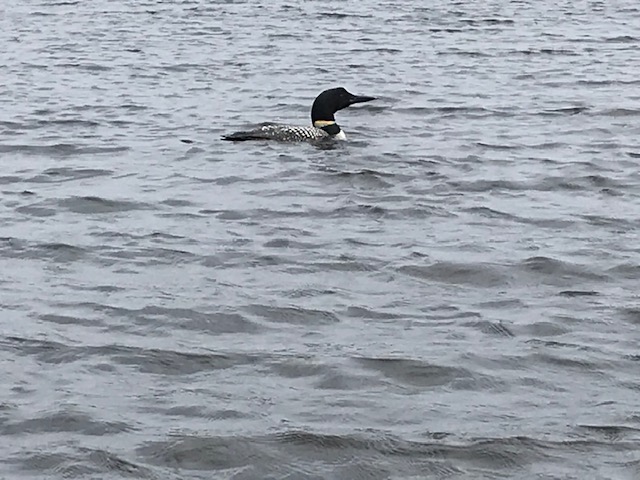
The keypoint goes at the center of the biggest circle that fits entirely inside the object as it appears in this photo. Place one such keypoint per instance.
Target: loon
(322, 118)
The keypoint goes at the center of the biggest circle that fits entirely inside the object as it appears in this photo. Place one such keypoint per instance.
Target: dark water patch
(564, 362)
(214, 323)
(91, 67)
(492, 328)
(297, 367)
(620, 112)
(99, 205)
(363, 312)
(616, 223)
(466, 53)
(293, 315)
(80, 463)
(12, 125)
(133, 107)
(495, 146)
(45, 351)
(175, 202)
(191, 319)
(452, 111)
(37, 210)
(56, 252)
(546, 329)
(59, 149)
(423, 374)
(9, 179)
(166, 237)
(446, 313)
(487, 21)
(631, 314)
(98, 288)
(154, 237)
(9, 244)
(146, 256)
(64, 421)
(544, 51)
(258, 213)
(445, 30)
(360, 209)
(310, 292)
(585, 182)
(554, 268)
(478, 275)
(153, 361)
(69, 320)
(560, 51)
(491, 213)
(176, 364)
(337, 380)
(366, 178)
(564, 111)
(228, 214)
(68, 122)
(63, 174)
(61, 252)
(180, 67)
(208, 453)
(53, 464)
(499, 453)
(487, 185)
(288, 243)
(60, 4)
(200, 412)
(336, 15)
(347, 265)
(578, 293)
(114, 464)
(610, 433)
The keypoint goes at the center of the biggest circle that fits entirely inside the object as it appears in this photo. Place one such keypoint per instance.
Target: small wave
(620, 112)
(91, 204)
(59, 149)
(57, 251)
(565, 111)
(557, 269)
(578, 293)
(492, 328)
(495, 146)
(294, 315)
(92, 67)
(622, 39)
(479, 275)
(81, 462)
(65, 421)
(63, 174)
(424, 374)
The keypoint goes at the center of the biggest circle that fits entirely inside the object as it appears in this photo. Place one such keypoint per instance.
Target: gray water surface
(452, 293)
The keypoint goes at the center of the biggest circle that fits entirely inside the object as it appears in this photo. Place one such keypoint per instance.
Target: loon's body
(323, 121)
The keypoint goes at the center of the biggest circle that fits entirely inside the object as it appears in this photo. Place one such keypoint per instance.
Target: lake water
(451, 294)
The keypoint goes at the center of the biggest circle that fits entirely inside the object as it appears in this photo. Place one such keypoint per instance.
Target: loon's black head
(330, 101)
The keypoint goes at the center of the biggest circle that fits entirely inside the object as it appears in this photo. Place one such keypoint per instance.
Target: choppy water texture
(451, 294)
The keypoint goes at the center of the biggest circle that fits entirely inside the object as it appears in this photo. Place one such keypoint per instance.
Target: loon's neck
(331, 127)
(324, 123)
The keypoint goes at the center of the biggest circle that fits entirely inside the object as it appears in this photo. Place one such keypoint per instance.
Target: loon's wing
(283, 133)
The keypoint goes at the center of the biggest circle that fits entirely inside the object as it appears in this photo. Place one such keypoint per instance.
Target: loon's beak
(360, 99)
